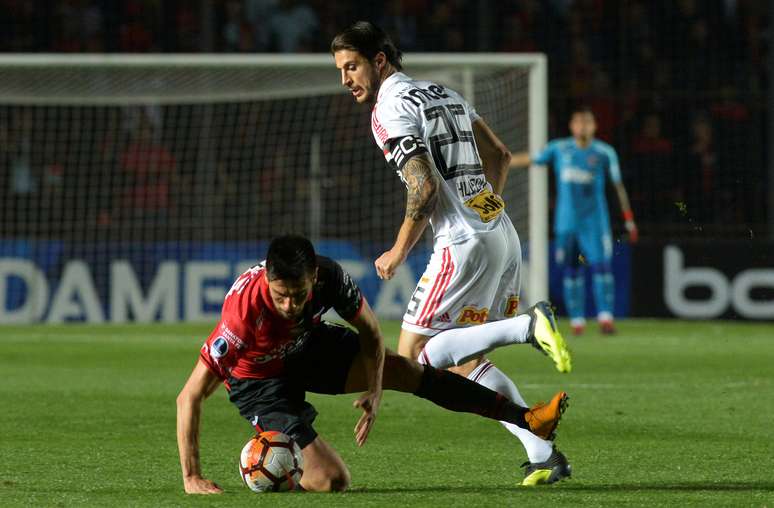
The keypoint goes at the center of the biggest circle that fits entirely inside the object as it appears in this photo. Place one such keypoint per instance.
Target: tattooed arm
(422, 183)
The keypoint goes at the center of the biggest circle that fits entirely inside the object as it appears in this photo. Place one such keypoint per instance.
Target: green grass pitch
(666, 413)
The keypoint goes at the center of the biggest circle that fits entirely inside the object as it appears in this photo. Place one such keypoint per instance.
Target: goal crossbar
(16, 88)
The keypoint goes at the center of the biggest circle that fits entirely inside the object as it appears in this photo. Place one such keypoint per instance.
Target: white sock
(605, 316)
(460, 345)
(486, 374)
(578, 322)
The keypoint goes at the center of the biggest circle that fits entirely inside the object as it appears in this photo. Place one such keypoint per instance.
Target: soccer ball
(271, 462)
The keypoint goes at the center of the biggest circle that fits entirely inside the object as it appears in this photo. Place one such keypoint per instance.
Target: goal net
(135, 187)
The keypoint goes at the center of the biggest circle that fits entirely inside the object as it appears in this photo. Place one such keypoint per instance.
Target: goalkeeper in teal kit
(582, 165)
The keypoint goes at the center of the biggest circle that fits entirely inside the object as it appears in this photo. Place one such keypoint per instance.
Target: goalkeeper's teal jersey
(580, 176)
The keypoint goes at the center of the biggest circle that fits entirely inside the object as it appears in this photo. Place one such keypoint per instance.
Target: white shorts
(468, 283)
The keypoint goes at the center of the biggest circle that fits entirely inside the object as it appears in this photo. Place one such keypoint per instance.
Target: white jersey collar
(392, 80)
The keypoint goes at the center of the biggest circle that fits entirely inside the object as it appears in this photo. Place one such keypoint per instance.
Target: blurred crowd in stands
(679, 87)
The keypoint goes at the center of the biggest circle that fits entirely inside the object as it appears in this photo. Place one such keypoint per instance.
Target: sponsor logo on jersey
(574, 174)
(286, 348)
(379, 130)
(486, 204)
(472, 314)
(511, 306)
(231, 337)
(445, 318)
(592, 160)
(219, 348)
(264, 358)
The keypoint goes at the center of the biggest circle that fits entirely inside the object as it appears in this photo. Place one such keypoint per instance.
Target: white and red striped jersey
(412, 117)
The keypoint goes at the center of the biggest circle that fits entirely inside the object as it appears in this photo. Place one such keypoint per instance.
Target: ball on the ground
(271, 462)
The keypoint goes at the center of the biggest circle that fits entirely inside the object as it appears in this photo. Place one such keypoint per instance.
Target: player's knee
(335, 480)
(409, 350)
(400, 373)
(465, 369)
(400, 364)
(340, 481)
(410, 344)
(330, 479)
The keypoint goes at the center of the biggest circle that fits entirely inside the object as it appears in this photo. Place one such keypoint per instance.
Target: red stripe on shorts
(436, 284)
(432, 300)
(449, 274)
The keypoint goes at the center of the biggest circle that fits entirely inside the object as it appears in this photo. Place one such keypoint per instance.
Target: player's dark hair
(368, 40)
(581, 109)
(290, 257)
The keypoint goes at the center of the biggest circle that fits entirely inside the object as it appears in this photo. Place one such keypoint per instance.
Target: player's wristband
(628, 215)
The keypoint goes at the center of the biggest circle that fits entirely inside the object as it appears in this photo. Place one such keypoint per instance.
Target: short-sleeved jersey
(580, 176)
(411, 117)
(251, 340)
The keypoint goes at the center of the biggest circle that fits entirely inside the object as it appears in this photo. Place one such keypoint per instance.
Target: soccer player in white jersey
(454, 168)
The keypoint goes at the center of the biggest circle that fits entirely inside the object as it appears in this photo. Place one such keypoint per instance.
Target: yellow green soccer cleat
(544, 336)
(550, 471)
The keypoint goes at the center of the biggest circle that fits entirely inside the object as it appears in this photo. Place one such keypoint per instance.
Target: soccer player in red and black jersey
(271, 347)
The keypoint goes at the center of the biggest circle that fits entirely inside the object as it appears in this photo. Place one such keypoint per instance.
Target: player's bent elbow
(183, 402)
(187, 399)
(503, 160)
(505, 156)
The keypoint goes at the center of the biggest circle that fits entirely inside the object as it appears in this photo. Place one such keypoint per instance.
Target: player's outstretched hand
(388, 262)
(634, 233)
(369, 403)
(199, 485)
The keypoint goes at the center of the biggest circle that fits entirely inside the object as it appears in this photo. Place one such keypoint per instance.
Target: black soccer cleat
(551, 471)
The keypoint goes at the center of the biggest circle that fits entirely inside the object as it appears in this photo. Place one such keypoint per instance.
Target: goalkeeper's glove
(630, 226)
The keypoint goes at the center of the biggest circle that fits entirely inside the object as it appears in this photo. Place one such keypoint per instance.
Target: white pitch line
(613, 386)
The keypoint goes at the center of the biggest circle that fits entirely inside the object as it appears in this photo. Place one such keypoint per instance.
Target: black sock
(456, 393)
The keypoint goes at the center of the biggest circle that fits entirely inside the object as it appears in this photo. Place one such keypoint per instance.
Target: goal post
(137, 185)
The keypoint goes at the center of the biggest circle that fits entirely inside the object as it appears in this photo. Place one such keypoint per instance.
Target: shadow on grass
(601, 488)
(564, 487)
